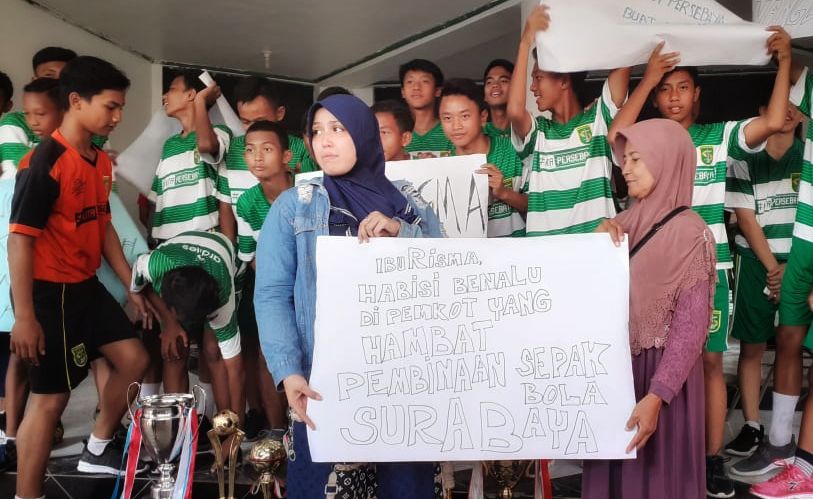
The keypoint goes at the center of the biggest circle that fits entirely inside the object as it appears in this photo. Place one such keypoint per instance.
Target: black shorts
(246, 319)
(77, 319)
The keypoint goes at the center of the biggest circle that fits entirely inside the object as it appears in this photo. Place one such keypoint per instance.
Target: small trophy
(224, 425)
(266, 457)
(507, 474)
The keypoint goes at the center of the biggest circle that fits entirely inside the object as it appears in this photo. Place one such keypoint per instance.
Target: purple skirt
(672, 464)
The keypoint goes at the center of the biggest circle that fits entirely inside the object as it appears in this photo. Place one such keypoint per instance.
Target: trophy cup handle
(199, 401)
(130, 401)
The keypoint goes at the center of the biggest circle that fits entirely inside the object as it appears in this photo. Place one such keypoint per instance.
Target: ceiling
(354, 43)
(349, 42)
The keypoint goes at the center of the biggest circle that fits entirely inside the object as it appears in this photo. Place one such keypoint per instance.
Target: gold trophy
(225, 424)
(266, 457)
(507, 474)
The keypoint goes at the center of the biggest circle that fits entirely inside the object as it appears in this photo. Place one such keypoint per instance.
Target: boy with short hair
(567, 157)
(6, 93)
(420, 87)
(675, 93)
(49, 61)
(192, 278)
(462, 115)
(395, 124)
(183, 188)
(267, 156)
(16, 138)
(763, 193)
(257, 100)
(496, 84)
(60, 228)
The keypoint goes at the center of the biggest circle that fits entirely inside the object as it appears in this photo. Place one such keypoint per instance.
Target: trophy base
(158, 492)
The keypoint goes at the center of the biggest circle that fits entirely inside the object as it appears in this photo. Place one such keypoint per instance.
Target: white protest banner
(795, 15)
(607, 34)
(222, 112)
(454, 350)
(132, 244)
(6, 313)
(458, 196)
(138, 162)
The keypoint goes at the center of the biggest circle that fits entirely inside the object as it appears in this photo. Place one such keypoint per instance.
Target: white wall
(24, 29)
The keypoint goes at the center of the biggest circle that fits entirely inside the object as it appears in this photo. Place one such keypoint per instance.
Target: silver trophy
(163, 418)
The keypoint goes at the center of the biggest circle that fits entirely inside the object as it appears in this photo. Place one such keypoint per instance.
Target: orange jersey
(61, 199)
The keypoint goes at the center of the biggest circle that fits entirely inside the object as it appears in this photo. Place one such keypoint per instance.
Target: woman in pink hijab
(672, 279)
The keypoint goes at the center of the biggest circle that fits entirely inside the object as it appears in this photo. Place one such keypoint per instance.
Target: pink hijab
(682, 253)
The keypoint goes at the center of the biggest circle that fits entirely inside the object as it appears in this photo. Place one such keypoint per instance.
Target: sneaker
(110, 462)
(788, 484)
(718, 484)
(767, 458)
(746, 442)
(255, 423)
(8, 456)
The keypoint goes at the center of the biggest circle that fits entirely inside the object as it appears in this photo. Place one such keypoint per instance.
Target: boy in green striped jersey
(20, 132)
(267, 156)
(795, 304)
(462, 115)
(6, 93)
(496, 82)
(16, 137)
(183, 188)
(762, 192)
(192, 278)
(257, 100)
(567, 157)
(395, 125)
(420, 87)
(675, 94)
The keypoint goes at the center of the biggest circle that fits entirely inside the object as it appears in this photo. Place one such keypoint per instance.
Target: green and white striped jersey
(720, 147)
(569, 171)
(234, 177)
(433, 144)
(800, 95)
(184, 186)
(16, 139)
(252, 208)
(503, 220)
(214, 253)
(769, 187)
(493, 131)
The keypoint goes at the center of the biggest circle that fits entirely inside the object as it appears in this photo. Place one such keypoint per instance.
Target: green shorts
(717, 341)
(754, 313)
(796, 285)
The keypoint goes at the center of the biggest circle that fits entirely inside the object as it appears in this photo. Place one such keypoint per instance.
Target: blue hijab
(364, 188)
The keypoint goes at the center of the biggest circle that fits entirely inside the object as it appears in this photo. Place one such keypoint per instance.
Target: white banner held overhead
(607, 34)
(458, 196)
(471, 349)
(795, 15)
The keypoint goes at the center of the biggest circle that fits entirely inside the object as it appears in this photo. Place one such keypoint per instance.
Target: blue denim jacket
(285, 290)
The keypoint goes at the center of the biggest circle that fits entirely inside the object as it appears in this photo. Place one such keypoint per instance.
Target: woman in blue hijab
(353, 199)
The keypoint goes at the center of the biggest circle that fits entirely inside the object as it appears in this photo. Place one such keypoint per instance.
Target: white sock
(148, 389)
(209, 410)
(784, 406)
(96, 445)
(18, 497)
(753, 424)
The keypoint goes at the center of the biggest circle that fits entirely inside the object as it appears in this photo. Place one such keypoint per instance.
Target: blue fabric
(364, 188)
(285, 286)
